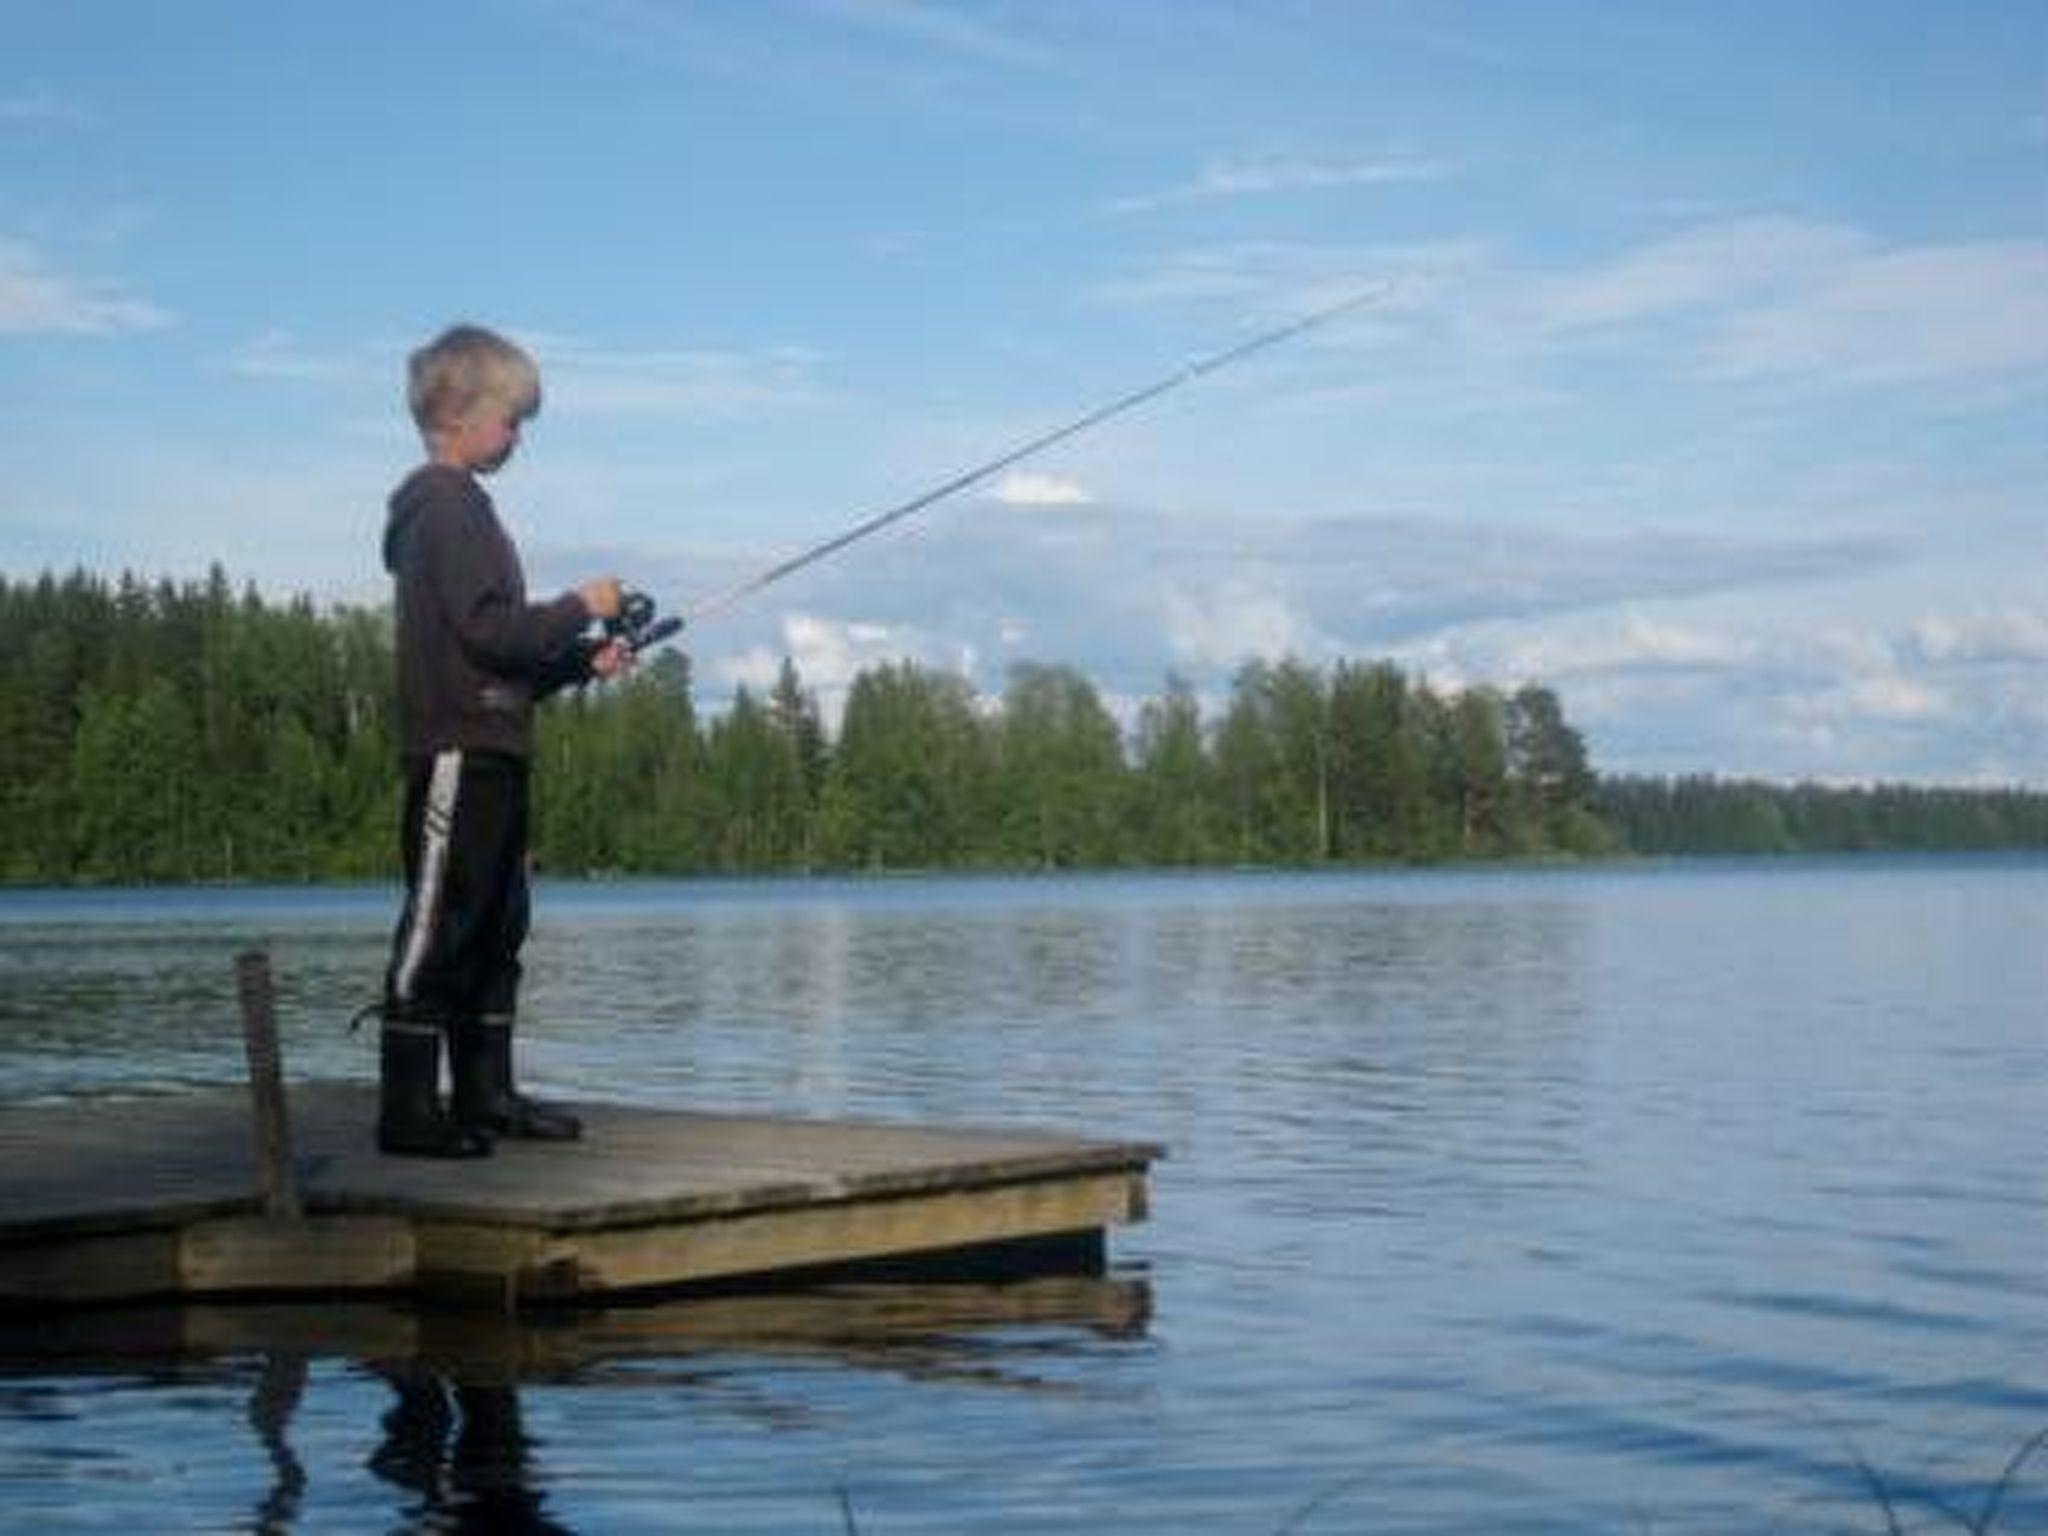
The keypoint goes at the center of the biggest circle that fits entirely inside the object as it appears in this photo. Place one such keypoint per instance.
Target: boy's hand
(602, 597)
(610, 659)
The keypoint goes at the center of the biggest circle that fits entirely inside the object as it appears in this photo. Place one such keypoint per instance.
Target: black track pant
(456, 952)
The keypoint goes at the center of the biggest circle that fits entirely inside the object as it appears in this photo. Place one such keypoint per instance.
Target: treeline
(1302, 767)
(166, 732)
(162, 731)
(1705, 814)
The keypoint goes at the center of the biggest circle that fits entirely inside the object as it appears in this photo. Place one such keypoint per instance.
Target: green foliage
(1708, 815)
(1271, 767)
(1550, 781)
(1175, 801)
(760, 809)
(174, 732)
(1383, 800)
(1060, 776)
(182, 732)
(910, 785)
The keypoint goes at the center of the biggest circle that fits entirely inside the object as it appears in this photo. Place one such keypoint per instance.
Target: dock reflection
(453, 1443)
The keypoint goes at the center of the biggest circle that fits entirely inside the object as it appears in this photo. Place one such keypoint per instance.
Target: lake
(1673, 1197)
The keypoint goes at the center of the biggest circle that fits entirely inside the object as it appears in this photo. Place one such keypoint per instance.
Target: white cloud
(830, 653)
(827, 653)
(1848, 709)
(2010, 635)
(1249, 178)
(1949, 698)
(1231, 622)
(1634, 643)
(1026, 489)
(1891, 696)
(35, 300)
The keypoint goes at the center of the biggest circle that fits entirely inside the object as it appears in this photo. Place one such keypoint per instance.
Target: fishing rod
(721, 601)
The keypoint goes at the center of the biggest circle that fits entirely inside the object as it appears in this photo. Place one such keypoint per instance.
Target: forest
(163, 732)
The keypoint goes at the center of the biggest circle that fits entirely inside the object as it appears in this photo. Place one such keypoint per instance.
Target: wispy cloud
(910, 45)
(280, 355)
(1724, 303)
(1123, 588)
(945, 29)
(589, 380)
(1916, 315)
(1817, 302)
(1707, 267)
(682, 383)
(1269, 281)
(1256, 178)
(2006, 635)
(35, 299)
(1635, 643)
(1023, 488)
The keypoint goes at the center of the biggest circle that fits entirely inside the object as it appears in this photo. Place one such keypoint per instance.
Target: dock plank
(649, 1198)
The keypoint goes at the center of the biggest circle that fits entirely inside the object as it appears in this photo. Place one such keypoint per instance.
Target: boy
(473, 657)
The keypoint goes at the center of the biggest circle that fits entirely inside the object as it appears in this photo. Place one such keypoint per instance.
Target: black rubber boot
(485, 1098)
(410, 1120)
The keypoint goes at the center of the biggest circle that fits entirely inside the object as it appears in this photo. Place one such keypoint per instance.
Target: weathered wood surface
(115, 1198)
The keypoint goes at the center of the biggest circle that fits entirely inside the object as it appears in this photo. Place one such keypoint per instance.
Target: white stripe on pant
(437, 824)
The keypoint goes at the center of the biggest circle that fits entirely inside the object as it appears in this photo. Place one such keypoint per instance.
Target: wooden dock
(125, 1200)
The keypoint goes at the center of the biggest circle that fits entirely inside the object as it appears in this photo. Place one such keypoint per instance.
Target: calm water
(1700, 1198)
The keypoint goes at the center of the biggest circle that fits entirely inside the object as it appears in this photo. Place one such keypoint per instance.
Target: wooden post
(274, 1182)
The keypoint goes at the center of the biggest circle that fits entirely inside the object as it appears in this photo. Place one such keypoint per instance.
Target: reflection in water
(451, 1432)
(279, 1390)
(460, 1448)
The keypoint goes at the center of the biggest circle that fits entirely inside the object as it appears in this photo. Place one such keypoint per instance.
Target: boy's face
(482, 440)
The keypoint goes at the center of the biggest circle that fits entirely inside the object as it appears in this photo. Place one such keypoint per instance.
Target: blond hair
(466, 367)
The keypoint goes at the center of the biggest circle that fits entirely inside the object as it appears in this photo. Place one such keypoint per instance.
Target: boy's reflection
(462, 1449)
(453, 1438)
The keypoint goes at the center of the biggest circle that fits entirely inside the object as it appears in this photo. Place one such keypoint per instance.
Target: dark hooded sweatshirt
(473, 653)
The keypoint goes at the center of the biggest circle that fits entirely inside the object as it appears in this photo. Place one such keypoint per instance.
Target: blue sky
(1708, 385)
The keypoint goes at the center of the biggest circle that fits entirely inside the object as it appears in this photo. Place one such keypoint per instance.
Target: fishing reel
(635, 626)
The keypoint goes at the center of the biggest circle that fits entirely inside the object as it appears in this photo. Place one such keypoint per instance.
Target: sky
(1703, 378)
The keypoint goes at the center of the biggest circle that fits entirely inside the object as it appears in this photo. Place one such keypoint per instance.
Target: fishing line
(723, 600)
